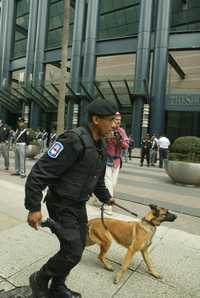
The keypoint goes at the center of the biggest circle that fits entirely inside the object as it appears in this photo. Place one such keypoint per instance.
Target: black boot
(61, 291)
(39, 284)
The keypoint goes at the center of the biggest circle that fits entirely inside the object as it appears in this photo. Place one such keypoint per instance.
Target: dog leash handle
(125, 209)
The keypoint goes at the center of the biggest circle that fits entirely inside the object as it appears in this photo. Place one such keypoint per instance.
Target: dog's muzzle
(170, 217)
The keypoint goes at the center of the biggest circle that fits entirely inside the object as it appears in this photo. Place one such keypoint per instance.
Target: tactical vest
(80, 180)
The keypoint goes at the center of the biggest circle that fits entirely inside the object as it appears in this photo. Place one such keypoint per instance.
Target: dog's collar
(149, 222)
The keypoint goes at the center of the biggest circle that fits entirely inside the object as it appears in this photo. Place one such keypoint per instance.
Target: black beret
(102, 107)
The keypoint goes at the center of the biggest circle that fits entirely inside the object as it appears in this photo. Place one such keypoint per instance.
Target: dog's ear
(153, 207)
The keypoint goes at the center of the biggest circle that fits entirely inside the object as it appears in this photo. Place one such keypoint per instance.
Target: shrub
(186, 149)
(32, 137)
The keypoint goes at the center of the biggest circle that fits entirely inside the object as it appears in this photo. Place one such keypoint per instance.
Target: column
(159, 79)
(38, 69)
(30, 50)
(142, 67)
(76, 55)
(89, 62)
(7, 31)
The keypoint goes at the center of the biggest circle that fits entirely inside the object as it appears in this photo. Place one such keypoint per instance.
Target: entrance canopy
(15, 96)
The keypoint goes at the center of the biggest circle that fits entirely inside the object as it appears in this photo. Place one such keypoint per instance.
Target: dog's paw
(117, 278)
(109, 268)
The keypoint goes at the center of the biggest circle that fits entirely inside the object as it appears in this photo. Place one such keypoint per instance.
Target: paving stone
(177, 260)
(140, 286)
(92, 280)
(22, 246)
(4, 285)
(89, 277)
(7, 222)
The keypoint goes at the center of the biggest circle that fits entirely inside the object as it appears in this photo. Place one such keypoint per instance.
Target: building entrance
(182, 124)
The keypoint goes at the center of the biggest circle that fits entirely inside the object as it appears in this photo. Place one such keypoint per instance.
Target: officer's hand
(110, 202)
(34, 219)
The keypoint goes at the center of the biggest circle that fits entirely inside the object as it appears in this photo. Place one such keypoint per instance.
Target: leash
(117, 205)
(102, 217)
(125, 209)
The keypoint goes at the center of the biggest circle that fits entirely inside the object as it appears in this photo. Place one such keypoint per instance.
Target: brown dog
(134, 235)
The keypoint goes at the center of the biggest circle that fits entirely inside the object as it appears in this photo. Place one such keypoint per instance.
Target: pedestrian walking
(72, 169)
(4, 143)
(163, 145)
(130, 146)
(115, 143)
(21, 141)
(153, 150)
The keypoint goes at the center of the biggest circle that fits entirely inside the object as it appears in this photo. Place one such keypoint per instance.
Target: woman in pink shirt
(114, 145)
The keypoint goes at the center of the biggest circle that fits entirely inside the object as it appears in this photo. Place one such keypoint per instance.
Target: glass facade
(114, 74)
(116, 69)
(189, 61)
(185, 15)
(118, 18)
(55, 23)
(21, 28)
(183, 124)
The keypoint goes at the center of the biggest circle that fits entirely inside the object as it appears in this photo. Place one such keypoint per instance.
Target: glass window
(118, 18)
(189, 61)
(21, 28)
(182, 124)
(185, 15)
(55, 23)
(116, 69)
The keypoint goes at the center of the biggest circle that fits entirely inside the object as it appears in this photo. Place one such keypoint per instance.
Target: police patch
(55, 150)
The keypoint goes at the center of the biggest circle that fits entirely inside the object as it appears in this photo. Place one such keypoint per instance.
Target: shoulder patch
(55, 150)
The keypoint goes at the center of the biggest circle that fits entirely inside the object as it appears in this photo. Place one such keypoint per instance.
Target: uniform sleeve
(50, 167)
(101, 191)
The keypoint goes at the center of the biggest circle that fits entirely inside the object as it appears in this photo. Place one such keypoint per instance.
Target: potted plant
(34, 146)
(183, 165)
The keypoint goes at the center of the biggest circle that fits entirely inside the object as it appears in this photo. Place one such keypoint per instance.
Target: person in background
(21, 141)
(153, 150)
(163, 145)
(39, 137)
(44, 140)
(4, 143)
(115, 143)
(145, 150)
(124, 156)
(72, 169)
(130, 146)
(52, 137)
(11, 139)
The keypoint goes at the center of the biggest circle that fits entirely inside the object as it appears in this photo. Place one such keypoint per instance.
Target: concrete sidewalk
(176, 255)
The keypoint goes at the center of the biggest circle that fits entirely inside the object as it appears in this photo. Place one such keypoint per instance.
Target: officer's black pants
(145, 153)
(163, 154)
(73, 220)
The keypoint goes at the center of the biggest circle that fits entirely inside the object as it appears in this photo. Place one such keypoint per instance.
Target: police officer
(21, 140)
(4, 139)
(145, 150)
(73, 169)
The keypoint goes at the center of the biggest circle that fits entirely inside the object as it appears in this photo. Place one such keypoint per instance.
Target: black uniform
(145, 151)
(73, 168)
